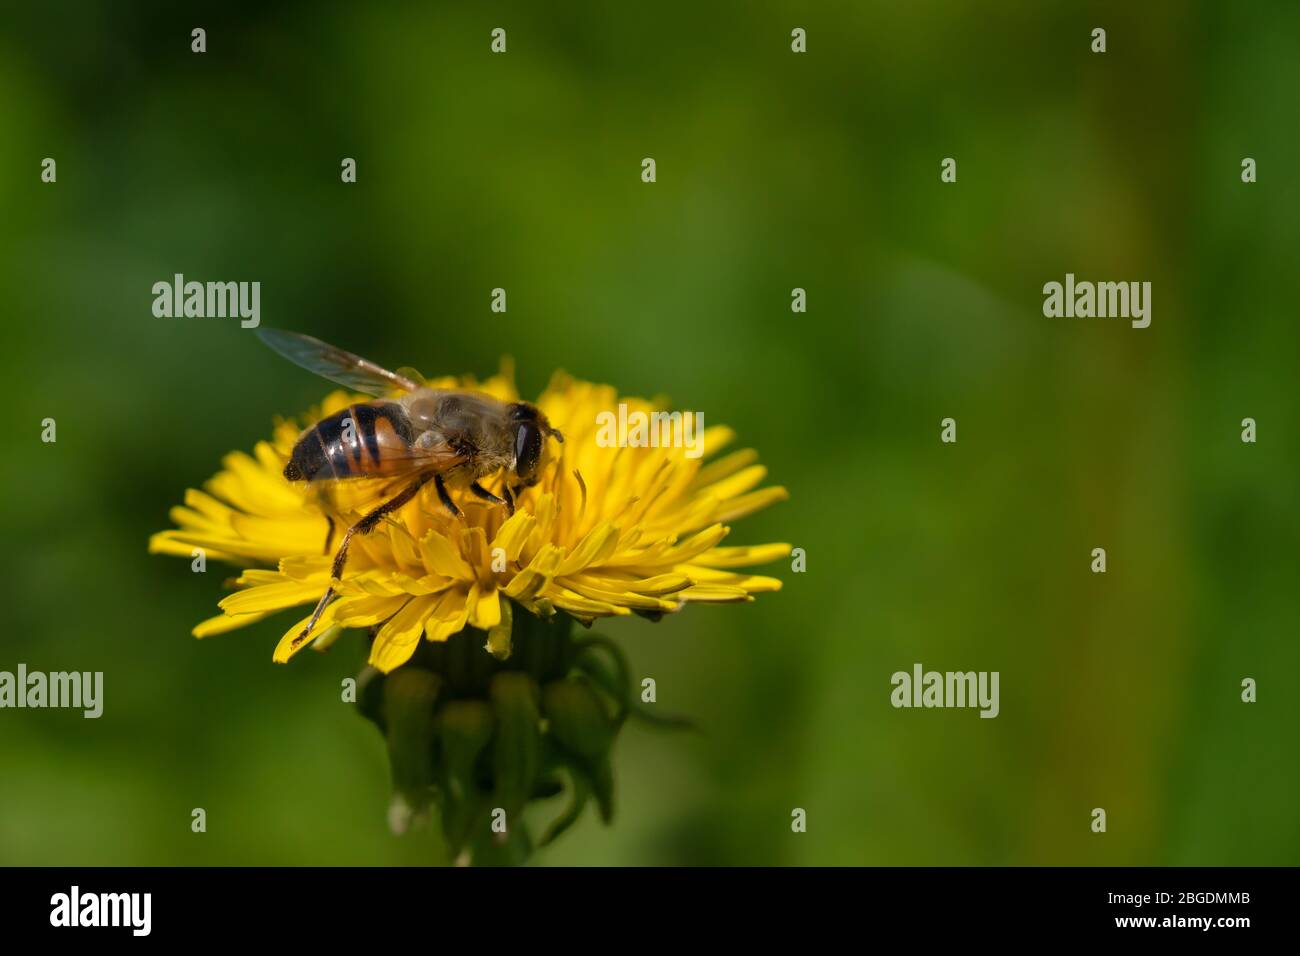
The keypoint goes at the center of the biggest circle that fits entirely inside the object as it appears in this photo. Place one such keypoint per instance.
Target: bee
(412, 434)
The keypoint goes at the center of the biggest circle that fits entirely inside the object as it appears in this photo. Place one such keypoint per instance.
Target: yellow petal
(629, 599)
(287, 646)
(289, 535)
(441, 558)
(397, 640)
(224, 623)
(226, 545)
(742, 557)
(717, 437)
(449, 617)
(748, 504)
(272, 597)
(208, 506)
(514, 533)
(532, 580)
(595, 549)
(499, 637)
(484, 608)
(725, 466)
(715, 593)
(751, 583)
(172, 543)
(737, 484)
(366, 610)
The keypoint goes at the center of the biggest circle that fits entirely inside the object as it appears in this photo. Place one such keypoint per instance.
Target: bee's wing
(385, 464)
(358, 491)
(398, 463)
(348, 370)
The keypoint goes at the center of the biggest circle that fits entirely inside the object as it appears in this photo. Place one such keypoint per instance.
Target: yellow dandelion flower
(605, 531)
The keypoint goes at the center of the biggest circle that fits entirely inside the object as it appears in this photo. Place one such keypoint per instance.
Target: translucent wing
(357, 491)
(413, 374)
(360, 464)
(327, 361)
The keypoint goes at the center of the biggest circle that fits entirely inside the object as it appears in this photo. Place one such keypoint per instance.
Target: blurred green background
(775, 170)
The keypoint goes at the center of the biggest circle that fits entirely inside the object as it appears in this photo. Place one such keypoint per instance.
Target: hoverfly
(422, 434)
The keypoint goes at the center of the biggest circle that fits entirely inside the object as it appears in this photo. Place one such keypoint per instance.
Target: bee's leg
(510, 499)
(329, 535)
(521, 486)
(488, 496)
(446, 498)
(364, 526)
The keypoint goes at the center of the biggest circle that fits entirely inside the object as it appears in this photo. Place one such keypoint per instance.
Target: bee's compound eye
(528, 449)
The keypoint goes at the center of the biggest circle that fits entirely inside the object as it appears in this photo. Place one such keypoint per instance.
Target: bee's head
(531, 430)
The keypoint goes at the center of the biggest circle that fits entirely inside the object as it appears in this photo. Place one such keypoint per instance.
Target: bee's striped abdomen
(360, 441)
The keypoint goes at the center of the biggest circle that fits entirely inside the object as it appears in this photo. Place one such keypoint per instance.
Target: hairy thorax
(477, 425)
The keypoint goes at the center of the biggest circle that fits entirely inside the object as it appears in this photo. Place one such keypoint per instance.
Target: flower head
(609, 529)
